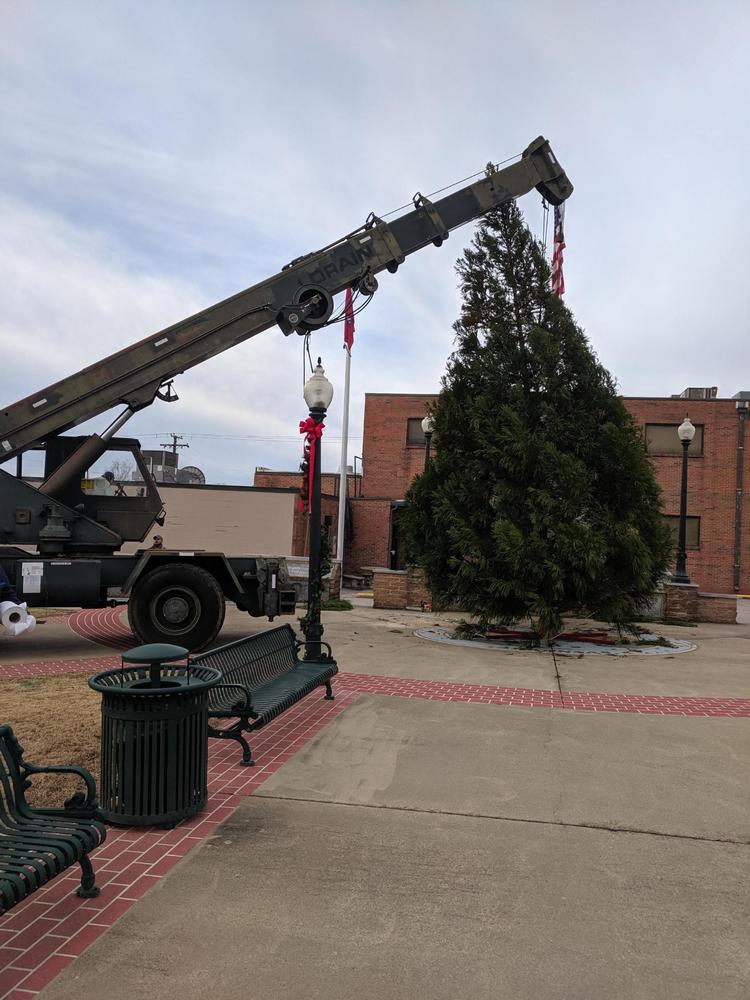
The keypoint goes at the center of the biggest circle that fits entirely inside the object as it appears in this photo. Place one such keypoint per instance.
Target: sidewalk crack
(604, 827)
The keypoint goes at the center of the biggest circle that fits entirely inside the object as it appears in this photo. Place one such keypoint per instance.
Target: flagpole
(342, 471)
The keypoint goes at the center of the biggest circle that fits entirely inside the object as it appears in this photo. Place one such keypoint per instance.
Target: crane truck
(60, 540)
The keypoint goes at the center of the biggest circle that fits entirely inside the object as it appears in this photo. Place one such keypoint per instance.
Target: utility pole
(174, 445)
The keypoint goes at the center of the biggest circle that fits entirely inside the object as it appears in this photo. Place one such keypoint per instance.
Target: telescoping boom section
(299, 299)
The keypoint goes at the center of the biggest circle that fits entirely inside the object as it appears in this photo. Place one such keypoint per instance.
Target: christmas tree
(540, 499)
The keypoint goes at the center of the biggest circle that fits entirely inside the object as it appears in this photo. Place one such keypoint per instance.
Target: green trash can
(154, 748)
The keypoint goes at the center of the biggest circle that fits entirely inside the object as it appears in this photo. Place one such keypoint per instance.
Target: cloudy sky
(157, 156)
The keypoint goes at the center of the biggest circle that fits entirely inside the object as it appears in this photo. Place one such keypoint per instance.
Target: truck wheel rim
(175, 610)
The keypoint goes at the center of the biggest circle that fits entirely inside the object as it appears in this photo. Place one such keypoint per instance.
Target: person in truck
(7, 591)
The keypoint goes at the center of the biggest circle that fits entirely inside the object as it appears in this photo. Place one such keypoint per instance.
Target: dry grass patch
(57, 721)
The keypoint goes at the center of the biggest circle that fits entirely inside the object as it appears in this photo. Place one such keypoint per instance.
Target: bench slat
(281, 693)
(255, 660)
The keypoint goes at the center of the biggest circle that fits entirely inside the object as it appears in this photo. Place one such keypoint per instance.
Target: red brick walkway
(575, 701)
(41, 936)
(104, 626)
(408, 687)
(53, 668)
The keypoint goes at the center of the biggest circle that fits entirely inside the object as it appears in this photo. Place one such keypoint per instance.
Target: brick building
(718, 525)
(718, 535)
(392, 454)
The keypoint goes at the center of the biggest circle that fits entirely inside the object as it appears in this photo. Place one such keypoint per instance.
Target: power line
(239, 437)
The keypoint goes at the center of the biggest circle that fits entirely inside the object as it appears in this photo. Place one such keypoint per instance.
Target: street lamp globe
(318, 391)
(427, 431)
(686, 430)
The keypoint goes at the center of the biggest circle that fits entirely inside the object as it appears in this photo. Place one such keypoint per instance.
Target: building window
(662, 439)
(692, 530)
(414, 433)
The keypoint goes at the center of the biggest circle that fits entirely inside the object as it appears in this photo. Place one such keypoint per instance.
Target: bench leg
(329, 696)
(247, 753)
(88, 888)
(234, 733)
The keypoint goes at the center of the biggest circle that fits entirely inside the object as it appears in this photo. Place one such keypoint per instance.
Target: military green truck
(60, 540)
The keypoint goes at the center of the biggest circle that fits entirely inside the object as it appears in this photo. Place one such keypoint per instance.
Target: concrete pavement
(308, 900)
(437, 849)
(673, 775)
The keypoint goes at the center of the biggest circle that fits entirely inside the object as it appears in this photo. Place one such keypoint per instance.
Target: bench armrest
(244, 704)
(78, 803)
(318, 642)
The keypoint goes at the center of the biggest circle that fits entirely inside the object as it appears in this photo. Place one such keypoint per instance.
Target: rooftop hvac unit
(708, 392)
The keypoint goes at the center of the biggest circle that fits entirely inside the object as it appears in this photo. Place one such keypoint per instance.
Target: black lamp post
(427, 431)
(686, 432)
(318, 393)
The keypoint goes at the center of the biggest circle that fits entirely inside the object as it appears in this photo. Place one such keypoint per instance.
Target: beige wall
(235, 520)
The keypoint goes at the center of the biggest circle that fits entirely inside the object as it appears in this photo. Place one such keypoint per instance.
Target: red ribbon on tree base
(313, 431)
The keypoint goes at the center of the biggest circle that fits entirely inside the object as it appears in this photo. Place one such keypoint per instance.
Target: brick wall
(711, 486)
(390, 465)
(277, 479)
(717, 608)
(329, 481)
(389, 589)
(369, 546)
(681, 602)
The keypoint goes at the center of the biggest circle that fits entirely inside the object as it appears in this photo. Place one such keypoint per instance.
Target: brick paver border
(574, 701)
(104, 626)
(55, 668)
(410, 687)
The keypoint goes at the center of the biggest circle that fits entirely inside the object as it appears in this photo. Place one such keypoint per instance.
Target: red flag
(349, 321)
(558, 245)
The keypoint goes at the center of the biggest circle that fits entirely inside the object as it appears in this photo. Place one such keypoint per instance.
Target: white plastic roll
(15, 618)
(11, 613)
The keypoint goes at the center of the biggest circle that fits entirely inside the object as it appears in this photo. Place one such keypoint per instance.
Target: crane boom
(299, 299)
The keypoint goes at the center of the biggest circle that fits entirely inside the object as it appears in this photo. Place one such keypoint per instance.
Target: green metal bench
(37, 844)
(262, 676)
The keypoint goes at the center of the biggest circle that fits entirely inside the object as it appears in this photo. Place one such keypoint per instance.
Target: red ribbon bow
(313, 431)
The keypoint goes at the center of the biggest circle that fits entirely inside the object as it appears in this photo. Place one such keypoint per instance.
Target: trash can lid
(134, 681)
(155, 652)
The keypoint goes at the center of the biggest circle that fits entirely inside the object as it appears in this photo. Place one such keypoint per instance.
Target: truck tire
(178, 603)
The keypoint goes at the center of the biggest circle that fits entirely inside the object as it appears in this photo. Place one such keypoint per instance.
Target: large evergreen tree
(540, 498)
